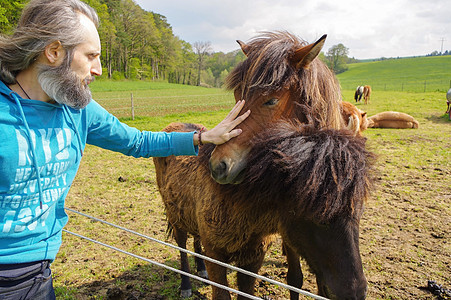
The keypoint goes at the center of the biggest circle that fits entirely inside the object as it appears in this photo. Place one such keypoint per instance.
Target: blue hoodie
(41, 145)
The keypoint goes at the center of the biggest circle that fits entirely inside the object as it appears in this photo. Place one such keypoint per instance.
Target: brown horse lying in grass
(392, 119)
(306, 184)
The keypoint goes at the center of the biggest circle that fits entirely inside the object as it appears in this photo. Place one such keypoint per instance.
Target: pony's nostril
(222, 167)
(218, 171)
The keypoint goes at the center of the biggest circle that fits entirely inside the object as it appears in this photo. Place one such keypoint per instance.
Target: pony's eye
(271, 102)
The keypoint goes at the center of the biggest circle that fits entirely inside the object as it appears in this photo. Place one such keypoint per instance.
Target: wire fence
(131, 104)
(400, 85)
(280, 284)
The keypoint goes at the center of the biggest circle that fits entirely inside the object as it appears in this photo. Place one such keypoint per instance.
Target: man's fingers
(240, 119)
(235, 110)
(234, 133)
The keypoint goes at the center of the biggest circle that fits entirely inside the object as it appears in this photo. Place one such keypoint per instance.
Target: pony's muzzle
(227, 171)
(218, 171)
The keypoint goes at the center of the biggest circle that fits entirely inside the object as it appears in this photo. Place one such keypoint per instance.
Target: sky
(369, 29)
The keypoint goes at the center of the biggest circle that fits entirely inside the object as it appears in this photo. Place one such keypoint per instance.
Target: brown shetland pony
(292, 172)
(356, 120)
(392, 119)
(366, 94)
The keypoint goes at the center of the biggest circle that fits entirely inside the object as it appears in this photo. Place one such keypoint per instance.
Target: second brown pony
(366, 94)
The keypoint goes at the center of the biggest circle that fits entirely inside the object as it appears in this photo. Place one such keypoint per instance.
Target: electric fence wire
(283, 285)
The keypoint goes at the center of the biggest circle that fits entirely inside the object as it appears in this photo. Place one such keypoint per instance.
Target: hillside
(418, 74)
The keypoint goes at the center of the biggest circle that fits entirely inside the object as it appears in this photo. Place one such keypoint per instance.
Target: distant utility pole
(441, 49)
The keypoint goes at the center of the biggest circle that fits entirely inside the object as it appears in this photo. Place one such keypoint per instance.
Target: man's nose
(96, 69)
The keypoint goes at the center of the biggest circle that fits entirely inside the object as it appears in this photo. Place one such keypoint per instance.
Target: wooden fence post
(133, 107)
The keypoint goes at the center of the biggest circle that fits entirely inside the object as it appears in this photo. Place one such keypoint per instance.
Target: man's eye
(271, 102)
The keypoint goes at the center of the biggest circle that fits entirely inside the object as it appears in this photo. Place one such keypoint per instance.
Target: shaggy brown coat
(298, 175)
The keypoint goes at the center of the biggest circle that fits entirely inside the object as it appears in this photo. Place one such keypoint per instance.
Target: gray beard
(63, 85)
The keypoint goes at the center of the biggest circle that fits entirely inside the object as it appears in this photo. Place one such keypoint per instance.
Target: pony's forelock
(269, 68)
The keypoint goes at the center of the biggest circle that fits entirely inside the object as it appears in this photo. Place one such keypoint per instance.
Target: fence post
(402, 87)
(425, 86)
(133, 107)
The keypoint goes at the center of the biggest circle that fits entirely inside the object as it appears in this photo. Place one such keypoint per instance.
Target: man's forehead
(89, 32)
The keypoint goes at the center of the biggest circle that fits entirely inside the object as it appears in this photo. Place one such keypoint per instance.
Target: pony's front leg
(246, 283)
(185, 287)
(200, 264)
(217, 274)
(294, 275)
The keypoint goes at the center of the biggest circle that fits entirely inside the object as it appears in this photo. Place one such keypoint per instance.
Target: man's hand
(224, 131)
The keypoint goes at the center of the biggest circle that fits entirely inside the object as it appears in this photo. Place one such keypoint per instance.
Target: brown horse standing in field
(292, 171)
(366, 94)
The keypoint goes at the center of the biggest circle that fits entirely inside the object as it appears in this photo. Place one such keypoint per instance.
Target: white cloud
(370, 29)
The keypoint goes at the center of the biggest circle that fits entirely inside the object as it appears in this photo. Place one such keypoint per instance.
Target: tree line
(138, 44)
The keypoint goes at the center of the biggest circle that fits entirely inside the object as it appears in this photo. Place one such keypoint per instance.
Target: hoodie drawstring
(66, 111)
(33, 152)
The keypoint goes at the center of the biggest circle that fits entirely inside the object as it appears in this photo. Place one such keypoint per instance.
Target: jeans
(26, 281)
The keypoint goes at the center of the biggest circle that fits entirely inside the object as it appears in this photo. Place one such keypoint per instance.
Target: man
(46, 119)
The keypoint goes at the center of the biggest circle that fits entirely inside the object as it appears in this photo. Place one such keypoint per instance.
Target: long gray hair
(42, 22)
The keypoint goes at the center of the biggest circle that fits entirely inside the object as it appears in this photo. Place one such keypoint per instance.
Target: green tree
(201, 49)
(219, 62)
(223, 76)
(336, 58)
(107, 33)
(10, 14)
(138, 44)
(207, 78)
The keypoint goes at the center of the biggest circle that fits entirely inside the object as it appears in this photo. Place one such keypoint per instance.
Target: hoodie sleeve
(106, 131)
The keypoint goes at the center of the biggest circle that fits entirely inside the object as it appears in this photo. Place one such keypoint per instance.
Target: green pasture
(158, 100)
(417, 74)
(413, 171)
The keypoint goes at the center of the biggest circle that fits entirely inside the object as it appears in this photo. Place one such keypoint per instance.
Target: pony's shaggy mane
(326, 172)
(322, 174)
(269, 67)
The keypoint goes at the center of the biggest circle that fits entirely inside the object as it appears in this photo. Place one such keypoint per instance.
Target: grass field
(405, 230)
(157, 99)
(418, 74)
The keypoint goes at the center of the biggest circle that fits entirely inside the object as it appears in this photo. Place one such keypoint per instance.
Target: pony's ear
(353, 124)
(244, 47)
(305, 55)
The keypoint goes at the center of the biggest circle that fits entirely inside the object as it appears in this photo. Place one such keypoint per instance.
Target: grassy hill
(419, 74)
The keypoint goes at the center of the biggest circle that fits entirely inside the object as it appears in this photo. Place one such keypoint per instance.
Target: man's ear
(54, 53)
